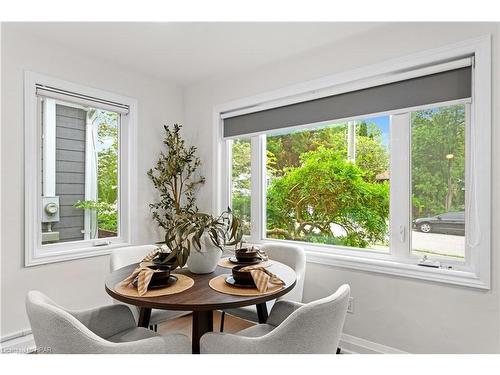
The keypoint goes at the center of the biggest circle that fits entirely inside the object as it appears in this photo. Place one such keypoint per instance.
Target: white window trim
(49, 148)
(35, 253)
(90, 176)
(479, 275)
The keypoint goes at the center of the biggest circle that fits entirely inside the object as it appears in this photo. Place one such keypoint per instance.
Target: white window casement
(80, 168)
(431, 116)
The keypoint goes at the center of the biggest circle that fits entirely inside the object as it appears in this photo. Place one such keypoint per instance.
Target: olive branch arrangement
(175, 178)
(187, 234)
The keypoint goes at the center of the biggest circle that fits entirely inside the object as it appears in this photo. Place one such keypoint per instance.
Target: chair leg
(222, 315)
(153, 327)
(156, 327)
(338, 350)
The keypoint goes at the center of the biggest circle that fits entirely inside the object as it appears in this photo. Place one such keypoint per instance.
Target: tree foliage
(438, 160)
(107, 217)
(107, 164)
(326, 190)
(241, 181)
(284, 151)
(107, 171)
(313, 189)
(315, 194)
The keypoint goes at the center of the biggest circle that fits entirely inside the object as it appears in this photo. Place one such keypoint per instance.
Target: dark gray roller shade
(434, 88)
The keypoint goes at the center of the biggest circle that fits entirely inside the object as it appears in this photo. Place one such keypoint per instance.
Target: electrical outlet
(350, 306)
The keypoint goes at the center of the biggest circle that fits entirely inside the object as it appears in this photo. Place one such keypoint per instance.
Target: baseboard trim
(356, 345)
(18, 343)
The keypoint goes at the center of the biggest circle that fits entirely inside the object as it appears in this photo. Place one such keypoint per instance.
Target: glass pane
(330, 184)
(438, 182)
(79, 172)
(241, 184)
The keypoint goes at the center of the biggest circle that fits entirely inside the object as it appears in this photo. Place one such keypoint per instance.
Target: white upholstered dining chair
(125, 256)
(292, 328)
(294, 257)
(103, 330)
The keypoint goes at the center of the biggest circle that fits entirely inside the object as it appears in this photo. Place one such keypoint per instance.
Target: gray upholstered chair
(107, 330)
(292, 328)
(291, 255)
(124, 256)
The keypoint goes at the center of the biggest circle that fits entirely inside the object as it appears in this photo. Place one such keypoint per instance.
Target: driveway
(445, 245)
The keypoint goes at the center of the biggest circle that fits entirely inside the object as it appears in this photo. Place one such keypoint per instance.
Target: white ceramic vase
(204, 261)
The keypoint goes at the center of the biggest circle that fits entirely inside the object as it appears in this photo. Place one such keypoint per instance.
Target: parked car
(448, 223)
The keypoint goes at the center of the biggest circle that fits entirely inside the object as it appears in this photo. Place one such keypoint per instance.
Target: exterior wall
(70, 171)
(407, 314)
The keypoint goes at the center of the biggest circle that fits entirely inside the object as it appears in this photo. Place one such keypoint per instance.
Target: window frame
(35, 252)
(475, 272)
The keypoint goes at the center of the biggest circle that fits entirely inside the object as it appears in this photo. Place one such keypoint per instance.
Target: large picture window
(392, 177)
(330, 184)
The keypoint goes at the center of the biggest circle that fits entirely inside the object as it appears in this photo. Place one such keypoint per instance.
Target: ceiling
(185, 53)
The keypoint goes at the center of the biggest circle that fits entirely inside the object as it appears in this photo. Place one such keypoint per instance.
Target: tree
(241, 184)
(327, 190)
(284, 150)
(292, 179)
(107, 171)
(287, 148)
(241, 166)
(313, 190)
(107, 164)
(438, 160)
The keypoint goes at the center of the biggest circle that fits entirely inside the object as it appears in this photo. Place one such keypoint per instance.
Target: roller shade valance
(58, 94)
(444, 86)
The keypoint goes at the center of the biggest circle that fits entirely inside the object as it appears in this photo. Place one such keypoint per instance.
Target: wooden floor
(183, 325)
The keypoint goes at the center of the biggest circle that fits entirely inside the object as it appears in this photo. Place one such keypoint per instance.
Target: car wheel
(425, 227)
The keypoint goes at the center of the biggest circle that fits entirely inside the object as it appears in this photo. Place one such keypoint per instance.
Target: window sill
(462, 278)
(70, 254)
(375, 262)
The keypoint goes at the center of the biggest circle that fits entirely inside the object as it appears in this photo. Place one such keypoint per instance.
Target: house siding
(70, 171)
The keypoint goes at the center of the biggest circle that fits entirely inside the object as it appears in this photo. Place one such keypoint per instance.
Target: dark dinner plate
(247, 262)
(230, 280)
(171, 280)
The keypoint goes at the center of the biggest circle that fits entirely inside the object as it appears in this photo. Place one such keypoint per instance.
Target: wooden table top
(200, 297)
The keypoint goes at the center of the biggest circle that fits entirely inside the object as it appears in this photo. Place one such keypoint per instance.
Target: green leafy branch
(186, 234)
(174, 177)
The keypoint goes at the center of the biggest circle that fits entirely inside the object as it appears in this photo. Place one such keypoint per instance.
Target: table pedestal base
(203, 322)
(144, 316)
(262, 312)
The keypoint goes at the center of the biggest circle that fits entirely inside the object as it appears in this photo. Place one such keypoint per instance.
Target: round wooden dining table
(201, 299)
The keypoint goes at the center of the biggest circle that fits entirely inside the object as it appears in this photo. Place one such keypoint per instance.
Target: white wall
(414, 316)
(78, 283)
